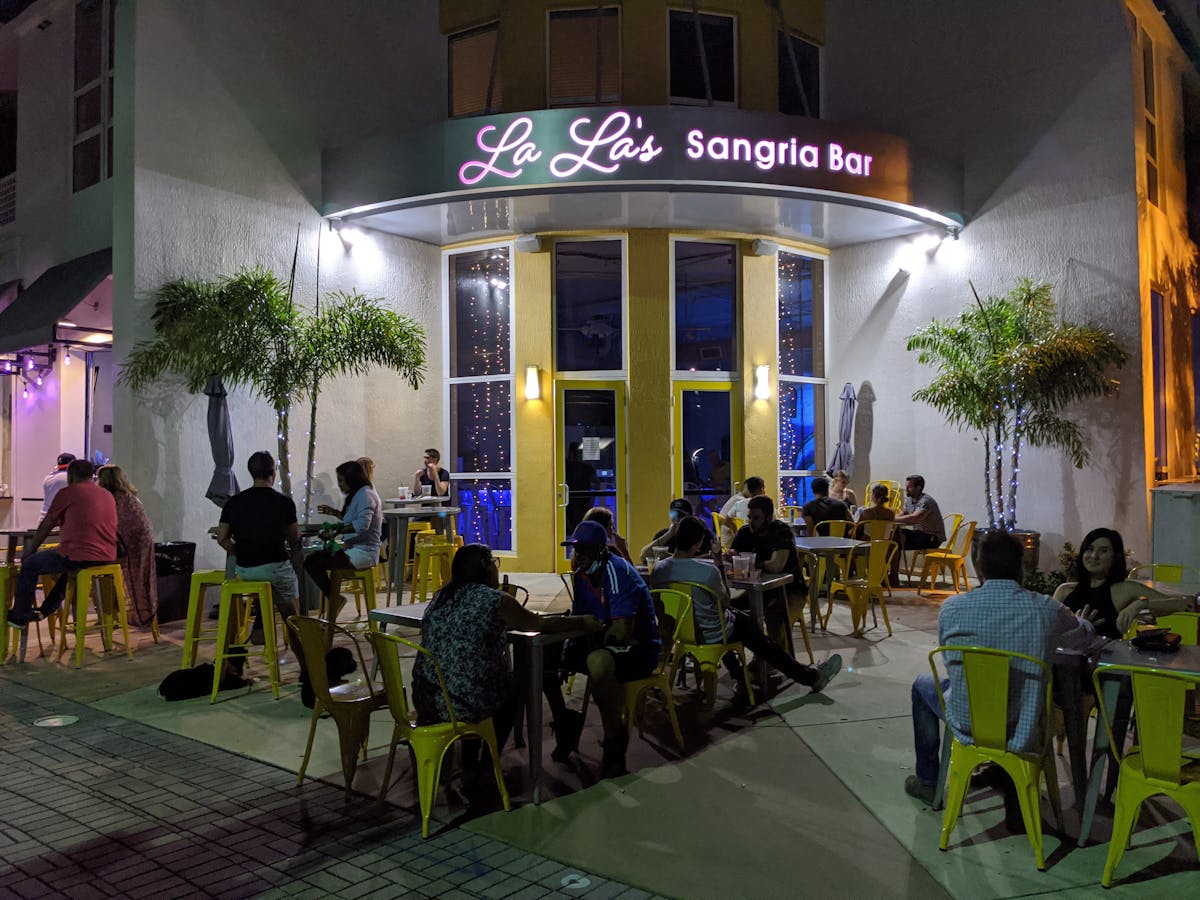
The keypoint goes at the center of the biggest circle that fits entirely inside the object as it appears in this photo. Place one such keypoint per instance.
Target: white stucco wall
(1035, 101)
(213, 191)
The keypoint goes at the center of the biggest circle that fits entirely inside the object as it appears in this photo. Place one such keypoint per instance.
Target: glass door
(708, 445)
(589, 454)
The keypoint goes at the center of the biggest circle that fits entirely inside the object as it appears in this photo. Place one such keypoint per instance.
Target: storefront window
(706, 452)
(480, 394)
(585, 56)
(705, 307)
(588, 310)
(476, 87)
(801, 372)
(693, 51)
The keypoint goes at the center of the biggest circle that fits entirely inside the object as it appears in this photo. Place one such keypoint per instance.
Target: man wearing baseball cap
(55, 482)
(609, 588)
(665, 539)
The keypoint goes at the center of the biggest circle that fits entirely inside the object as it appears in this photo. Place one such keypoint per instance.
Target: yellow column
(758, 332)
(533, 495)
(650, 451)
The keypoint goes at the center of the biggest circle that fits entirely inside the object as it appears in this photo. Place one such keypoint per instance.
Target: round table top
(820, 542)
(416, 501)
(413, 511)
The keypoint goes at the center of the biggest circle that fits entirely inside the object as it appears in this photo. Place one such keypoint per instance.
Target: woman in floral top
(465, 628)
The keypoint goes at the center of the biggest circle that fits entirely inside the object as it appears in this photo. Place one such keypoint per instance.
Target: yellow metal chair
(878, 530)
(1157, 764)
(986, 673)
(706, 656)
(1172, 573)
(838, 528)
(516, 591)
(432, 569)
(1184, 624)
(429, 743)
(84, 585)
(409, 552)
(242, 591)
(361, 583)
(953, 558)
(193, 632)
(675, 606)
(349, 705)
(861, 591)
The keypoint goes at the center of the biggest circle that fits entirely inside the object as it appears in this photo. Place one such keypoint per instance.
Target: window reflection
(588, 320)
(705, 307)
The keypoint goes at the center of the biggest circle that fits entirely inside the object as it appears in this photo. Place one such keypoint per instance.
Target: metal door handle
(564, 493)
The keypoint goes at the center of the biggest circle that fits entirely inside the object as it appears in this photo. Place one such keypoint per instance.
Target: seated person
(735, 507)
(878, 511)
(985, 617)
(839, 489)
(604, 516)
(88, 516)
(465, 628)
(55, 482)
(921, 522)
(431, 476)
(774, 548)
(609, 588)
(363, 510)
(664, 538)
(137, 535)
(823, 508)
(709, 608)
(1100, 584)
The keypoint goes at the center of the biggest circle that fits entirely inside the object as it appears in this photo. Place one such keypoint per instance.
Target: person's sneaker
(914, 787)
(826, 671)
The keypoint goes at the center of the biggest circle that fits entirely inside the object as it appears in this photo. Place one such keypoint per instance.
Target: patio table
(829, 547)
(531, 643)
(399, 517)
(416, 501)
(16, 537)
(755, 587)
(1185, 661)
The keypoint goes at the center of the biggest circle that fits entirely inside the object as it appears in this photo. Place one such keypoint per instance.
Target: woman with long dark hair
(465, 628)
(137, 536)
(1100, 583)
(363, 510)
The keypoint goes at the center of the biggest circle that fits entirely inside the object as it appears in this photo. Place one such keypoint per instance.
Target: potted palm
(247, 330)
(1010, 369)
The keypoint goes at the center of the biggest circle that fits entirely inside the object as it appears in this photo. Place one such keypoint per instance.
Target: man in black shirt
(774, 548)
(259, 527)
(431, 476)
(823, 508)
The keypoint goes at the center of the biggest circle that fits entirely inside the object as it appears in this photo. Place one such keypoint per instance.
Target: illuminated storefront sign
(607, 145)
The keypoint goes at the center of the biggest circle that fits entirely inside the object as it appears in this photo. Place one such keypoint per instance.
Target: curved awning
(654, 167)
(30, 320)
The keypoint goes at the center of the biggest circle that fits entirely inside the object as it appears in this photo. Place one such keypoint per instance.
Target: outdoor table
(416, 501)
(398, 526)
(828, 547)
(16, 538)
(531, 643)
(1185, 661)
(755, 587)
(1171, 588)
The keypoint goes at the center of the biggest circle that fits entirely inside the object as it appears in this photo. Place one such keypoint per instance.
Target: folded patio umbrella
(220, 436)
(843, 453)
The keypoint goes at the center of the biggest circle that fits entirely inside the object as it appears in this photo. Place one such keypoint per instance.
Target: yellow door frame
(736, 430)
(618, 387)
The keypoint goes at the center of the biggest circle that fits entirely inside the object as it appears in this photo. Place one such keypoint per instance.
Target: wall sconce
(762, 383)
(533, 383)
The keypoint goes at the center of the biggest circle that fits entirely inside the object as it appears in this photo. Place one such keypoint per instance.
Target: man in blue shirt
(1004, 616)
(609, 588)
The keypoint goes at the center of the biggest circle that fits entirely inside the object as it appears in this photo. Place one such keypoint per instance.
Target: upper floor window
(585, 56)
(799, 76)
(94, 45)
(706, 278)
(1151, 111)
(474, 64)
(589, 328)
(703, 58)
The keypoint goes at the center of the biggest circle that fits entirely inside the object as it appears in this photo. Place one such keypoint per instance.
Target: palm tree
(246, 329)
(1009, 369)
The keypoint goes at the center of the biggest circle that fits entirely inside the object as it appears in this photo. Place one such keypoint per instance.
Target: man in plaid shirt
(1004, 616)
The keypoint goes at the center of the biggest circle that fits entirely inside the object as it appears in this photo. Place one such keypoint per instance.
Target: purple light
(28, 363)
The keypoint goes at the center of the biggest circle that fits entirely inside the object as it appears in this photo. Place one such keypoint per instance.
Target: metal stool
(195, 614)
(243, 590)
(82, 586)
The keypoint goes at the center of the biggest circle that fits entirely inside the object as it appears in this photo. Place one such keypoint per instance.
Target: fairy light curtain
(801, 375)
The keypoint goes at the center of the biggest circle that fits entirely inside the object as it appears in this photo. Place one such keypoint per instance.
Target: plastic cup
(741, 565)
(402, 492)
(427, 490)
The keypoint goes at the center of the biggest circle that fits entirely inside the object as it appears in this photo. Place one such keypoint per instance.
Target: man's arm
(441, 488)
(44, 528)
(292, 536)
(809, 525)
(225, 538)
(1073, 632)
(518, 618)
(777, 562)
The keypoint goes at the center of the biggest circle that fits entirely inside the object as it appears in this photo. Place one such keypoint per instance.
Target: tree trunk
(1014, 475)
(987, 478)
(311, 463)
(998, 477)
(285, 464)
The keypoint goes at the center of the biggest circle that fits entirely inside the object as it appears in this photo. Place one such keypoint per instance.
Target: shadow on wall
(864, 435)
(165, 401)
(888, 303)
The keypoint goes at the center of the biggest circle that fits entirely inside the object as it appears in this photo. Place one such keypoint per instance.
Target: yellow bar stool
(243, 591)
(362, 584)
(409, 553)
(192, 635)
(432, 568)
(84, 585)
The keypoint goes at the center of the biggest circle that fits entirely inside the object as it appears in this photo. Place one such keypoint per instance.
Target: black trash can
(174, 562)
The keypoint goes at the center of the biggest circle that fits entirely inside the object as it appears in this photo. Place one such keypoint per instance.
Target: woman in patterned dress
(137, 537)
(465, 628)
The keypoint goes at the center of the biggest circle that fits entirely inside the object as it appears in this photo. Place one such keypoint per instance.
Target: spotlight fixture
(67, 356)
(533, 383)
(762, 383)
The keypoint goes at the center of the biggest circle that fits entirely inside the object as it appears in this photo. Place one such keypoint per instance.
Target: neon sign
(542, 147)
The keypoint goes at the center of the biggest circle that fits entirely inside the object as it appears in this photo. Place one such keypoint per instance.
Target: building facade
(650, 245)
